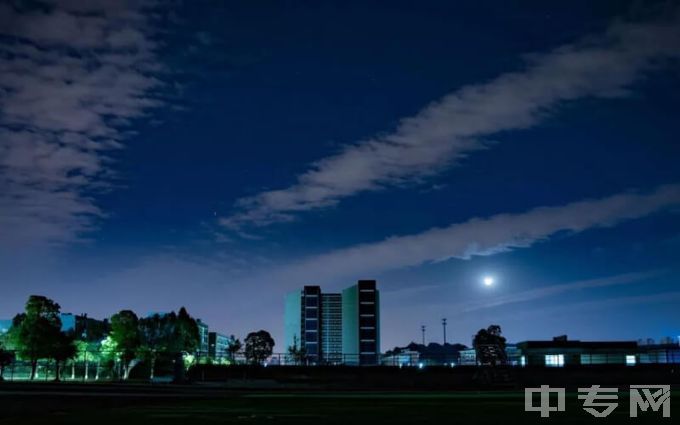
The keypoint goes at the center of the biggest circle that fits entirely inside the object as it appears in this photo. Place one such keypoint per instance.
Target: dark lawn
(304, 408)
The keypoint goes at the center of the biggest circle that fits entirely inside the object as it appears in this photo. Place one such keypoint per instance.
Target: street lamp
(444, 327)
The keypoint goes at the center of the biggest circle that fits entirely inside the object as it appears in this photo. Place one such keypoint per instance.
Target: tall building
(361, 323)
(303, 321)
(331, 328)
(292, 320)
(334, 328)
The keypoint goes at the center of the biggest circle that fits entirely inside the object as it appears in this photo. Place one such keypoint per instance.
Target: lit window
(630, 360)
(554, 360)
(523, 361)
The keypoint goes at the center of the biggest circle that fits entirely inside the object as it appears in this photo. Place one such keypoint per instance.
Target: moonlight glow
(488, 281)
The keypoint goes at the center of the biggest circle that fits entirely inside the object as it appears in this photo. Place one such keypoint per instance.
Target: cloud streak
(73, 77)
(554, 290)
(446, 131)
(484, 236)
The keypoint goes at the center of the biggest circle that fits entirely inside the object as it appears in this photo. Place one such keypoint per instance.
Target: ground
(129, 405)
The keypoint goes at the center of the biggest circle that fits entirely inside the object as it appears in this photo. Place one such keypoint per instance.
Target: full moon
(488, 281)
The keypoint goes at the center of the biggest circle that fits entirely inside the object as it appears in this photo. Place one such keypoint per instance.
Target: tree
(108, 355)
(187, 340)
(63, 349)
(86, 353)
(259, 346)
(156, 334)
(36, 332)
(187, 337)
(297, 352)
(6, 359)
(489, 345)
(91, 330)
(125, 335)
(168, 335)
(233, 347)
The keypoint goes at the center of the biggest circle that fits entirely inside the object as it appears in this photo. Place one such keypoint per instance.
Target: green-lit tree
(6, 359)
(489, 346)
(125, 336)
(109, 355)
(35, 333)
(88, 353)
(187, 340)
(259, 346)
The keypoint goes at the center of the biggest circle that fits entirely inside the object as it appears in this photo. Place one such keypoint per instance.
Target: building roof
(5, 325)
(578, 344)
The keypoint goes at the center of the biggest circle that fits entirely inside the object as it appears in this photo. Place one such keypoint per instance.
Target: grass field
(350, 408)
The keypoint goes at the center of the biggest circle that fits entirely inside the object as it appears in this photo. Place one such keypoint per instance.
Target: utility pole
(422, 328)
(444, 327)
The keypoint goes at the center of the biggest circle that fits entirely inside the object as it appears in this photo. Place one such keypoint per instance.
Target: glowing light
(488, 281)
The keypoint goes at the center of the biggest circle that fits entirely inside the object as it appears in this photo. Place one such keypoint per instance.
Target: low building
(68, 322)
(203, 338)
(659, 353)
(513, 355)
(218, 345)
(401, 358)
(563, 352)
(468, 357)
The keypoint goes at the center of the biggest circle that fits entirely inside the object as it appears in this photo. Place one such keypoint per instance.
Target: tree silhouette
(296, 352)
(37, 331)
(6, 359)
(155, 337)
(233, 347)
(489, 345)
(168, 335)
(187, 337)
(64, 349)
(259, 346)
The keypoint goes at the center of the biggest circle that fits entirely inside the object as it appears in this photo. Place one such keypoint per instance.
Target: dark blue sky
(219, 154)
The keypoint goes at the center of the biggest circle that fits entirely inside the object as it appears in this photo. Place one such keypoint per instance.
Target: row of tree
(489, 345)
(127, 340)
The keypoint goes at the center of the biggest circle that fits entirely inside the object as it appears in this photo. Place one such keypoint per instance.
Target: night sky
(216, 155)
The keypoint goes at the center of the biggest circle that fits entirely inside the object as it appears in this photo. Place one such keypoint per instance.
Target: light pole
(444, 327)
(422, 328)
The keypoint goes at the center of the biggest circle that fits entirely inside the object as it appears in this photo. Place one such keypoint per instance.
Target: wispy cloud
(484, 236)
(73, 76)
(610, 303)
(554, 290)
(447, 130)
(598, 306)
